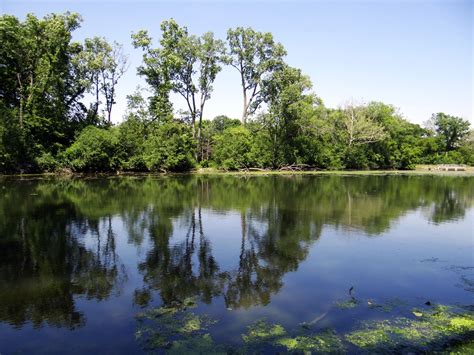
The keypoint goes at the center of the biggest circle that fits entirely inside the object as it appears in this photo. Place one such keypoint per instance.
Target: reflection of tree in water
(449, 207)
(280, 218)
(267, 254)
(188, 268)
(170, 268)
(44, 262)
(46, 226)
(99, 272)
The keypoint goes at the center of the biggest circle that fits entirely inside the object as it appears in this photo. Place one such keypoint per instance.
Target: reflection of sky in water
(406, 255)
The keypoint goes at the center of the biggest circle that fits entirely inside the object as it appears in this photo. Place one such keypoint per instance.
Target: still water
(82, 260)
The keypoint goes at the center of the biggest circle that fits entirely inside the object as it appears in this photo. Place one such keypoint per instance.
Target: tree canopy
(57, 97)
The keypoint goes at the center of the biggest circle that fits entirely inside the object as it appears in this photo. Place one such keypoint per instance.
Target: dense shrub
(169, 147)
(233, 148)
(132, 135)
(46, 162)
(95, 149)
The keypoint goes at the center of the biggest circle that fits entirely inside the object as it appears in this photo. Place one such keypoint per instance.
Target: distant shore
(420, 170)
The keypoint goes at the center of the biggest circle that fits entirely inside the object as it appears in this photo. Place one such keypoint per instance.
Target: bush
(170, 147)
(46, 162)
(95, 150)
(132, 133)
(233, 149)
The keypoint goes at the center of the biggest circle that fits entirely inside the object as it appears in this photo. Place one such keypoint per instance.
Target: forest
(57, 97)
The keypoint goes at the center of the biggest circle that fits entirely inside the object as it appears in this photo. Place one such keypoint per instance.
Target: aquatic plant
(262, 334)
(172, 326)
(431, 330)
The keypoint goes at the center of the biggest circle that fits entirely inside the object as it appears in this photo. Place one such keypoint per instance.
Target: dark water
(80, 258)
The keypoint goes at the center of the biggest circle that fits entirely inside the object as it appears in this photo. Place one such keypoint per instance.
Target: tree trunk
(21, 112)
(244, 112)
(20, 118)
(199, 157)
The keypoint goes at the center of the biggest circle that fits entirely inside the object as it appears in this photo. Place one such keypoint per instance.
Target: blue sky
(416, 55)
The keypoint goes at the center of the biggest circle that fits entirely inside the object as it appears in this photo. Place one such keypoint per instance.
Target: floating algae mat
(439, 328)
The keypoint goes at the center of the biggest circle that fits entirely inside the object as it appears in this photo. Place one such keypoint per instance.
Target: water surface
(81, 258)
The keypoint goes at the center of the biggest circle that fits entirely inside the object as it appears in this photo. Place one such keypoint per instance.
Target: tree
(291, 108)
(188, 64)
(360, 126)
(156, 73)
(402, 146)
(106, 63)
(134, 131)
(39, 81)
(450, 129)
(92, 58)
(222, 122)
(115, 65)
(254, 55)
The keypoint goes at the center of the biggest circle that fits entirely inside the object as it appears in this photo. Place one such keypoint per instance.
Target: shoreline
(211, 171)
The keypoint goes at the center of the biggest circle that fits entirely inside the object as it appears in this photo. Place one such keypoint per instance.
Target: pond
(325, 263)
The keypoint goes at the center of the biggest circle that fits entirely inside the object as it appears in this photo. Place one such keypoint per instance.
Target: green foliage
(103, 64)
(37, 77)
(222, 122)
(47, 162)
(450, 129)
(254, 55)
(12, 145)
(131, 136)
(184, 64)
(94, 150)
(169, 147)
(233, 148)
(289, 120)
(44, 77)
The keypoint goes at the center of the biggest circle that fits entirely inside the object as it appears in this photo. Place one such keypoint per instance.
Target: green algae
(262, 334)
(262, 331)
(164, 326)
(323, 342)
(437, 329)
(431, 331)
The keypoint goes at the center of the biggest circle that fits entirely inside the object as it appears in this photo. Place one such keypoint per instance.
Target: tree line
(57, 97)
